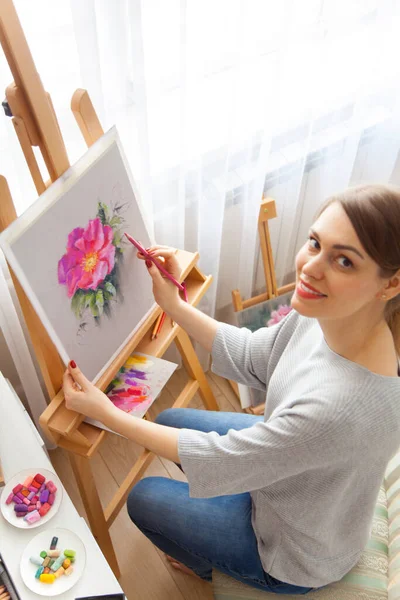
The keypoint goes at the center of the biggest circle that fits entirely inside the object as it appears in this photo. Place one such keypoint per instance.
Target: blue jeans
(203, 533)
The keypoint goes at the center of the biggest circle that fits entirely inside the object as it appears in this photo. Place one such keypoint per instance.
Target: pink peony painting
(89, 267)
(277, 315)
(89, 257)
(265, 314)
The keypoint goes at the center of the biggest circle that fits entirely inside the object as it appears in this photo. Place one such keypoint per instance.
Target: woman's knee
(155, 501)
(170, 417)
(139, 502)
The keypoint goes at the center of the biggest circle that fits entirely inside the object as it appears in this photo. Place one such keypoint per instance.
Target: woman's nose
(314, 267)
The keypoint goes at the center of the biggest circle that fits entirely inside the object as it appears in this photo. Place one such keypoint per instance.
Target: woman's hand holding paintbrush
(166, 294)
(151, 259)
(198, 325)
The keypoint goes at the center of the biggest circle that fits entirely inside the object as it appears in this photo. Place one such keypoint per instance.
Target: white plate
(67, 540)
(8, 509)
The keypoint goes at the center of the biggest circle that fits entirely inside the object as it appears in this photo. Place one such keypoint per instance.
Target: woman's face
(335, 277)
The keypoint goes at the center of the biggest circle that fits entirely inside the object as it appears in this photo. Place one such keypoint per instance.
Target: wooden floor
(145, 573)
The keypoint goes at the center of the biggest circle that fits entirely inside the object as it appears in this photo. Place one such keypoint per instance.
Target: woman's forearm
(160, 439)
(199, 326)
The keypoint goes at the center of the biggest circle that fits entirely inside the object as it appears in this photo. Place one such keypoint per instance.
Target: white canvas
(78, 270)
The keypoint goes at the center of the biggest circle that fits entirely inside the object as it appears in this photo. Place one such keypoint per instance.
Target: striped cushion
(392, 483)
(368, 580)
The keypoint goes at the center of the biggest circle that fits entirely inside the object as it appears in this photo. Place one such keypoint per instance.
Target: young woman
(283, 502)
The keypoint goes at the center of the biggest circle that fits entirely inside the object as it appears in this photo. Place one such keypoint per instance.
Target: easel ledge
(36, 124)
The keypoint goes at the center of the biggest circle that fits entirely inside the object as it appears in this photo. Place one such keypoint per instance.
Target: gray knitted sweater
(315, 465)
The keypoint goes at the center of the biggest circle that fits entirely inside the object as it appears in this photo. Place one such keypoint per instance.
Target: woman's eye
(345, 262)
(313, 243)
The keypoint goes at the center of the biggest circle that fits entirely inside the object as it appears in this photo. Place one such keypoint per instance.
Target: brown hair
(374, 212)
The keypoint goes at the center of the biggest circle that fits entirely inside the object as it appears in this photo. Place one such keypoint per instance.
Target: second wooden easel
(267, 212)
(36, 124)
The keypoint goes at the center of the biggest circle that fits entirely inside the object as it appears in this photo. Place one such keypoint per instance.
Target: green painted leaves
(108, 286)
(78, 303)
(94, 300)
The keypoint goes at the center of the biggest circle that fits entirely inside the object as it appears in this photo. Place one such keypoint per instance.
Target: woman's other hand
(84, 397)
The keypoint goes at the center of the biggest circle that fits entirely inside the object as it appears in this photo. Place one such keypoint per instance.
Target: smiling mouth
(304, 287)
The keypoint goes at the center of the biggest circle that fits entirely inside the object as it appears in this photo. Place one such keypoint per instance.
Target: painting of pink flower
(279, 314)
(89, 258)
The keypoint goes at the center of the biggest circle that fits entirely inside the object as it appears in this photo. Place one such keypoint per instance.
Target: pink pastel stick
(180, 286)
(39, 478)
(32, 517)
(44, 509)
(51, 487)
(28, 482)
(9, 498)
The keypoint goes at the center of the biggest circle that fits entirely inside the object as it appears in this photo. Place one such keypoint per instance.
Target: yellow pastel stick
(135, 359)
(47, 578)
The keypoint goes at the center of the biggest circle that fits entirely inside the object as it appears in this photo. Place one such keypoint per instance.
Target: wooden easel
(267, 212)
(36, 124)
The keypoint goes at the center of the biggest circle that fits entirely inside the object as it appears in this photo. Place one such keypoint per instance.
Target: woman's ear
(392, 288)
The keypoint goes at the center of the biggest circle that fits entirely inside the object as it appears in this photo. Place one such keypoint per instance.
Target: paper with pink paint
(78, 270)
(138, 383)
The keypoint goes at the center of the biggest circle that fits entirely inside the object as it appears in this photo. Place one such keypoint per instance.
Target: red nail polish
(148, 263)
(72, 364)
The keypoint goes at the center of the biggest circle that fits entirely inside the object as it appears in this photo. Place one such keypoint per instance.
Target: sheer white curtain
(220, 101)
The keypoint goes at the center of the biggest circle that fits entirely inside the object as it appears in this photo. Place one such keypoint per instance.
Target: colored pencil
(180, 286)
(161, 323)
(155, 328)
